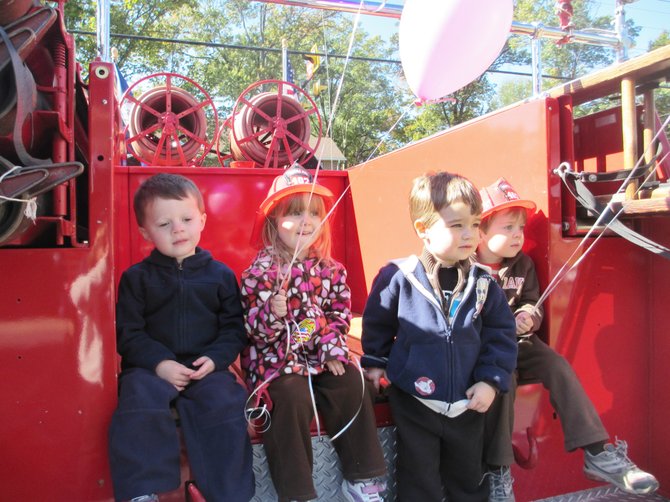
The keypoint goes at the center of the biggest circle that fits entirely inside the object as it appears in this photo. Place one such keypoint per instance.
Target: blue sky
(653, 16)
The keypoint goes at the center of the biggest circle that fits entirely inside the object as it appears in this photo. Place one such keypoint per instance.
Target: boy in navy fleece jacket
(179, 326)
(441, 332)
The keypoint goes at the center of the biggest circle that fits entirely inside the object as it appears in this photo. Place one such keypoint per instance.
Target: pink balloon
(446, 44)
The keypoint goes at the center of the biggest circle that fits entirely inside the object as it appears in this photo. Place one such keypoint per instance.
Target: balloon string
(344, 70)
(300, 249)
(564, 270)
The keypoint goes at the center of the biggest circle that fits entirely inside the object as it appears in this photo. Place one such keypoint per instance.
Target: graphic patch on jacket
(424, 386)
(304, 331)
(481, 290)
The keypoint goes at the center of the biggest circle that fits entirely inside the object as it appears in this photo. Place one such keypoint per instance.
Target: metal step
(327, 473)
(328, 476)
(606, 493)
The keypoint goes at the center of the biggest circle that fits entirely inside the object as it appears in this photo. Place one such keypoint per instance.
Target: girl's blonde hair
(321, 247)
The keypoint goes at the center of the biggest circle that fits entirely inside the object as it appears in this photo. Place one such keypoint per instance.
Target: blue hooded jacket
(427, 353)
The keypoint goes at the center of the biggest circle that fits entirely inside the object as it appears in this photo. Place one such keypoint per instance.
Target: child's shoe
(145, 498)
(614, 466)
(500, 485)
(365, 490)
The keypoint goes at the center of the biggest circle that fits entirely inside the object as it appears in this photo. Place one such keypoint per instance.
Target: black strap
(24, 84)
(584, 196)
(637, 172)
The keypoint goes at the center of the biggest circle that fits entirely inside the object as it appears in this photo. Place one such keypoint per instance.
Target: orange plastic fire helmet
(294, 180)
(501, 195)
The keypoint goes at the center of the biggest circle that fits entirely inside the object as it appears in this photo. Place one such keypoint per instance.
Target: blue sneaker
(500, 485)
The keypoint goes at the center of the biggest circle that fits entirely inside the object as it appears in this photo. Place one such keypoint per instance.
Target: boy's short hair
(165, 186)
(486, 220)
(432, 192)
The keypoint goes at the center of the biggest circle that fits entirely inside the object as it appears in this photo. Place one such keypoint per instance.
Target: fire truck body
(57, 337)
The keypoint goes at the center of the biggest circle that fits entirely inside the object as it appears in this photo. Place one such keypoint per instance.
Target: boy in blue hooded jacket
(439, 329)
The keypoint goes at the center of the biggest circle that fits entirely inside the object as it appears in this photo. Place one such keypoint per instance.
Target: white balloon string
(344, 70)
(360, 405)
(300, 249)
(568, 266)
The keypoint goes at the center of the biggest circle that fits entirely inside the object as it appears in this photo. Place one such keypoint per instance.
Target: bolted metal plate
(603, 494)
(327, 473)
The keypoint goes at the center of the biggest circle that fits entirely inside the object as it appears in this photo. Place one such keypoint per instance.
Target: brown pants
(579, 418)
(288, 443)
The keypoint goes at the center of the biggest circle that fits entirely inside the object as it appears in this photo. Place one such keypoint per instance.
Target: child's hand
(206, 366)
(524, 323)
(175, 373)
(373, 375)
(279, 304)
(335, 367)
(481, 395)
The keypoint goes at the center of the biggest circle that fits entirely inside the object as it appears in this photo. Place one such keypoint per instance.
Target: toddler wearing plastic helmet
(297, 314)
(502, 237)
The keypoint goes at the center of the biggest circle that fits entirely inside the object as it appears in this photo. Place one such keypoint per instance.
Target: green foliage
(662, 95)
(366, 105)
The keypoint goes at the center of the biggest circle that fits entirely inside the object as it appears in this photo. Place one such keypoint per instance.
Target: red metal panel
(655, 390)
(232, 197)
(57, 347)
(515, 143)
(601, 317)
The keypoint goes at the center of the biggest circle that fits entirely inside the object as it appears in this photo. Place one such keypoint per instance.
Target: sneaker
(500, 485)
(145, 498)
(366, 490)
(614, 466)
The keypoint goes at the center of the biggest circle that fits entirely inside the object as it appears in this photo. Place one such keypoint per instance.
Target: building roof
(327, 150)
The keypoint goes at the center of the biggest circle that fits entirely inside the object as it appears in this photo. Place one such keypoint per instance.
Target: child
(440, 330)
(502, 238)
(297, 316)
(179, 326)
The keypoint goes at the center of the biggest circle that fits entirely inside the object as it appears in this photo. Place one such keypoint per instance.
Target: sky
(653, 16)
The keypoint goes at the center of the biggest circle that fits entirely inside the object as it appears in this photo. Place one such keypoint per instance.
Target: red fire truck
(69, 166)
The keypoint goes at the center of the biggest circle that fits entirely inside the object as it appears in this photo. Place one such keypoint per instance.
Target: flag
(312, 62)
(287, 69)
(289, 76)
(317, 88)
(120, 83)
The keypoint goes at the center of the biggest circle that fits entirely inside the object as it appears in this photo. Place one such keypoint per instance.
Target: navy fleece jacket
(166, 311)
(425, 354)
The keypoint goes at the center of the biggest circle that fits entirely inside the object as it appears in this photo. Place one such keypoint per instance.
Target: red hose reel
(175, 123)
(271, 124)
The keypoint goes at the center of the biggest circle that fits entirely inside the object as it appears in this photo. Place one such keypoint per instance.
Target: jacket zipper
(466, 293)
(182, 317)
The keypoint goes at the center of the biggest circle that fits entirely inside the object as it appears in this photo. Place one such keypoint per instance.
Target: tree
(237, 43)
(662, 95)
(234, 43)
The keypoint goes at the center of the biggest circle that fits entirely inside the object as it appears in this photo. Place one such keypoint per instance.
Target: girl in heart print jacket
(297, 314)
(319, 311)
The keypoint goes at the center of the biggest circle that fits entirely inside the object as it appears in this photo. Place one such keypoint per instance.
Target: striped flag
(289, 76)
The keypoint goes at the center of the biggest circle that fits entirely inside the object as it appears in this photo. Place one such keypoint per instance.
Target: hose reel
(172, 122)
(271, 124)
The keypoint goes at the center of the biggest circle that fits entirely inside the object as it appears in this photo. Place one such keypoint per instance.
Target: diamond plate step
(327, 473)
